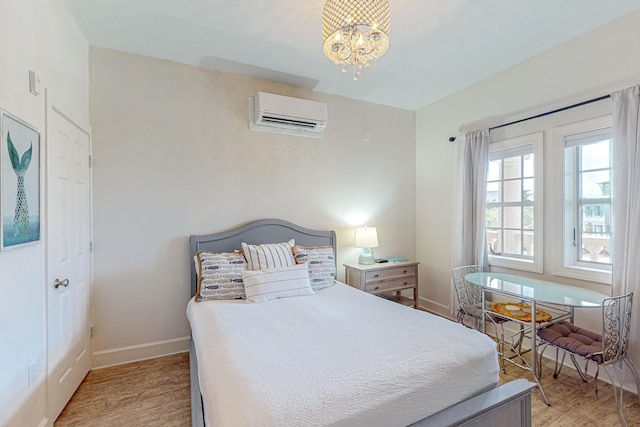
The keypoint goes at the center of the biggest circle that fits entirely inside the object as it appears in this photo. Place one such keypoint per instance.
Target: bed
(337, 356)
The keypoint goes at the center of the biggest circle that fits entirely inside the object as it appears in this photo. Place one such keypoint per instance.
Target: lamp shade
(366, 237)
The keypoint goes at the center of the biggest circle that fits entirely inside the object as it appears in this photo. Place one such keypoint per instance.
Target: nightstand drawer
(390, 285)
(388, 273)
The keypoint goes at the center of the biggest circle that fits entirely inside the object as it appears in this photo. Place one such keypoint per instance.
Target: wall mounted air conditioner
(282, 114)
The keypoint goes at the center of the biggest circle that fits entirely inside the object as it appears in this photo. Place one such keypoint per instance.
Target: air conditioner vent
(289, 122)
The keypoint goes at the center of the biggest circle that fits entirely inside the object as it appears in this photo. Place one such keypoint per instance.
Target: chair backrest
(467, 293)
(616, 327)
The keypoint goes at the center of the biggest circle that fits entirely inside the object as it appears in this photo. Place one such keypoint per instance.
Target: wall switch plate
(35, 87)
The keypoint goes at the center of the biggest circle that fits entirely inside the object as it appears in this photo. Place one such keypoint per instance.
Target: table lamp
(366, 238)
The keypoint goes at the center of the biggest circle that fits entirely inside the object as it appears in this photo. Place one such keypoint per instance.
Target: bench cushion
(568, 336)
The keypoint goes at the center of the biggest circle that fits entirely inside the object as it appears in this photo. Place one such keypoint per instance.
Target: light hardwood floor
(156, 393)
(150, 393)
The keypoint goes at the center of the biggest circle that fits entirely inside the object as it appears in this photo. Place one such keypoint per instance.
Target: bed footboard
(508, 405)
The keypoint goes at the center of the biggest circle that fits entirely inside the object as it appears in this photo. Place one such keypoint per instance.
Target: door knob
(57, 283)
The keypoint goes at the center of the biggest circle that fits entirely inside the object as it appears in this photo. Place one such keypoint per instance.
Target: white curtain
(469, 237)
(626, 204)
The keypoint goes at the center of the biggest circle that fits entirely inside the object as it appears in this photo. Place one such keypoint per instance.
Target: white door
(68, 257)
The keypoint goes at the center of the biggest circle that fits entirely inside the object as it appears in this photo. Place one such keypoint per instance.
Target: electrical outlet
(33, 372)
(366, 135)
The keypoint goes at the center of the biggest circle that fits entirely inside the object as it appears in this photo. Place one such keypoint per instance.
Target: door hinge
(90, 161)
(91, 331)
(91, 246)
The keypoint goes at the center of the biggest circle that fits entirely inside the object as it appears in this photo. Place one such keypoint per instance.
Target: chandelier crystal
(355, 32)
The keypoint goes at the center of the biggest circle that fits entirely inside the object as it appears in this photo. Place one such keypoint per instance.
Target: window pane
(596, 184)
(493, 240)
(527, 217)
(513, 167)
(527, 247)
(494, 217)
(527, 189)
(513, 191)
(604, 254)
(494, 172)
(595, 156)
(493, 192)
(596, 248)
(596, 219)
(528, 166)
(512, 242)
(512, 217)
(585, 253)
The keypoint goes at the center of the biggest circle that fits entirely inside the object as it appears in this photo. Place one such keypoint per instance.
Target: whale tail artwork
(20, 167)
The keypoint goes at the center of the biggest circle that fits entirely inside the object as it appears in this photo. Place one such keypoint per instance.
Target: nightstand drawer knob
(404, 272)
(377, 275)
(377, 287)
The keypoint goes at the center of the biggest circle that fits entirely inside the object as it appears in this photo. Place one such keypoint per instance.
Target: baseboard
(135, 353)
(433, 306)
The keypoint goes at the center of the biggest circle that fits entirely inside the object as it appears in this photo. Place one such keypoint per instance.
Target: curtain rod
(579, 104)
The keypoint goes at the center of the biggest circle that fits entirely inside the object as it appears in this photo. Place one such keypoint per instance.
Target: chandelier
(355, 32)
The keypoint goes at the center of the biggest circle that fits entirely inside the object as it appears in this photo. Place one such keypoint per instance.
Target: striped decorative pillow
(219, 275)
(273, 283)
(321, 262)
(269, 255)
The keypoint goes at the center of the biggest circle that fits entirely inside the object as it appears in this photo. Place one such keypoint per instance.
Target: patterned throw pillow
(273, 283)
(322, 264)
(269, 255)
(219, 276)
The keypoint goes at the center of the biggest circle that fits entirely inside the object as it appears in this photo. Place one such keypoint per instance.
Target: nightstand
(386, 279)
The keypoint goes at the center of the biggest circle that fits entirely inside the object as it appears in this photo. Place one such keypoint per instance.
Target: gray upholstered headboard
(256, 232)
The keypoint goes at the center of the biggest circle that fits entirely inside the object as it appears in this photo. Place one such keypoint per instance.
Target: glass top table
(534, 291)
(538, 290)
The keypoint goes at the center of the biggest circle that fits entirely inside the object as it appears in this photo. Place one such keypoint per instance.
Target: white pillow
(273, 283)
(269, 255)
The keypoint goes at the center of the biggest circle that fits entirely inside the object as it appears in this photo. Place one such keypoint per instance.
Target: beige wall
(587, 67)
(35, 35)
(173, 156)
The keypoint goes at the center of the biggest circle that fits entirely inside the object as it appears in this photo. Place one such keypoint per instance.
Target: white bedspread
(340, 357)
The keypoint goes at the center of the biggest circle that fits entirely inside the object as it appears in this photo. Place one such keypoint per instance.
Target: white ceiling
(437, 47)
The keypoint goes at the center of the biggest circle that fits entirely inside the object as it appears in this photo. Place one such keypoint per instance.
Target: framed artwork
(19, 183)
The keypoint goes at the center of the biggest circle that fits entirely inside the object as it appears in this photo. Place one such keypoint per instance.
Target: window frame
(565, 263)
(535, 140)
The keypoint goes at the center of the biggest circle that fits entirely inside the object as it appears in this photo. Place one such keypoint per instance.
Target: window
(586, 207)
(588, 199)
(514, 211)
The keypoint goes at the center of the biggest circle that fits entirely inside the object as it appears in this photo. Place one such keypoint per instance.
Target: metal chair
(469, 298)
(606, 349)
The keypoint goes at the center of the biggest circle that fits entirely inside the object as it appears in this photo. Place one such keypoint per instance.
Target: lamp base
(367, 257)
